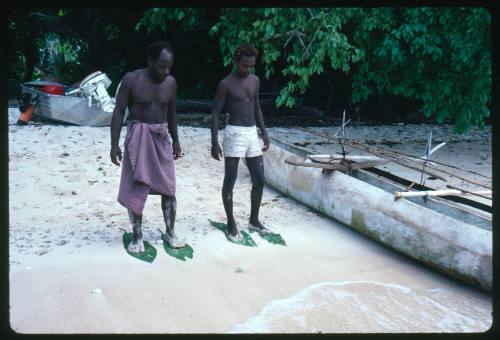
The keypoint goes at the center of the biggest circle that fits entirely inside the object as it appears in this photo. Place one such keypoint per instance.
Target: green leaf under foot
(149, 253)
(271, 238)
(247, 239)
(179, 253)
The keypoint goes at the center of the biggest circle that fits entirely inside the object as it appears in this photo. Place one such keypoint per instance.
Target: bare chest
(242, 92)
(144, 93)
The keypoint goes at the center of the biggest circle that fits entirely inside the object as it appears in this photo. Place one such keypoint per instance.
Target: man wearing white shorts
(238, 92)
(241, 141)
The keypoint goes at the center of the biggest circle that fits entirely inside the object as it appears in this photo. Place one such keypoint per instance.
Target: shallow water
(369, 307)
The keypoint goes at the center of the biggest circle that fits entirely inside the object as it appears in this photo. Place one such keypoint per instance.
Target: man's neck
(151, 76)
(238, 76)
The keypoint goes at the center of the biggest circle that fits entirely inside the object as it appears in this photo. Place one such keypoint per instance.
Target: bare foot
(259, 227)
(235, 238)
(173, 241)
(234, 234)
(136, 246)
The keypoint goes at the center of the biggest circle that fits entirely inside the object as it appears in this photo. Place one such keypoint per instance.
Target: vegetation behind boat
(391, 64)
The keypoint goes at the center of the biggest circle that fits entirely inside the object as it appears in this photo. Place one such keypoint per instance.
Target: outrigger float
(440, 228)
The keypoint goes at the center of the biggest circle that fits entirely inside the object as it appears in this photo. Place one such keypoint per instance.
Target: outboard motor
(94, 87)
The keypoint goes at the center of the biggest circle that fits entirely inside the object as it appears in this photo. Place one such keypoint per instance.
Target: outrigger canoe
(445, 235)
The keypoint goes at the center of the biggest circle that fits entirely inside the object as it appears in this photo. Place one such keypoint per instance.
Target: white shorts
(241, 141)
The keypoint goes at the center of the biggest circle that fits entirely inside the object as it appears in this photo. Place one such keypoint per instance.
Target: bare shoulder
(254, 78)
(130, 77)
(171, 81)
(225, 82)
(136, 73)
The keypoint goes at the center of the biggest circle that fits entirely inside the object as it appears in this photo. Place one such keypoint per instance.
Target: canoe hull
(456, 248)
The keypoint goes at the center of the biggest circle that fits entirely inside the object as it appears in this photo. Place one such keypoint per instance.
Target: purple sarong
(148, 165)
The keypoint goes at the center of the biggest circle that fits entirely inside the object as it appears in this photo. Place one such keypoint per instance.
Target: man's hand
(116, 155)
(176, 147)
(216, 151)
(265, 138)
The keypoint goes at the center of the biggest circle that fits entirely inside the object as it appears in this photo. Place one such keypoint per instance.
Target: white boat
(89, 104)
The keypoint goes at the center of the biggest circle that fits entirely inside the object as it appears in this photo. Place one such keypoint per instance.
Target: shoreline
(69, 272)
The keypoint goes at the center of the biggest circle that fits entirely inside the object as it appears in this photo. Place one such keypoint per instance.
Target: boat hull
(456, 248)
(68, 109)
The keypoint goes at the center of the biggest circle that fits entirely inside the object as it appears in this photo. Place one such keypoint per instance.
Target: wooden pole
(445, 192)
(352, 158)
(329, 166)
(470, 192)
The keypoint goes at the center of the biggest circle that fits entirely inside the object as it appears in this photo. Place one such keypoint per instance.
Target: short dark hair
(154, 49)
(245, 50)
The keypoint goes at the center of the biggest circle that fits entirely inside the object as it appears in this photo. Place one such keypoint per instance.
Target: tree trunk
(329, 103)
(31, 55)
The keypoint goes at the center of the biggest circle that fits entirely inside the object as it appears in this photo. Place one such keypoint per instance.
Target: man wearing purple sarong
(151, 144)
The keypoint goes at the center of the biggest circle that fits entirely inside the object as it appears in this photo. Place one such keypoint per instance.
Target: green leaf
(269, 30)
(149, 253)
(246, 241)
(290, 101)
(355, 97)
(213, 30)
(271, 238)
(182, 254)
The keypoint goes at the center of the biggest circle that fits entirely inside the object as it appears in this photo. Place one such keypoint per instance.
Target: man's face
(161, 67)
(245, 66)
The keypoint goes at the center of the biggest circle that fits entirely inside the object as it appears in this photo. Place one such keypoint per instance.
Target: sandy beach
(69, 271)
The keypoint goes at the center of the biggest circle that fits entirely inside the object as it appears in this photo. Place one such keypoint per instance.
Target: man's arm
(218, 104)
(172, 122)
(122, 98)
(259, 118)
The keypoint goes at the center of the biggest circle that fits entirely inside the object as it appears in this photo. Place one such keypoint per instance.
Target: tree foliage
(438, 56)
(198, 64)
(296, 42)
(26, 28)
(68, 44)
(439, 59)
(190, 18)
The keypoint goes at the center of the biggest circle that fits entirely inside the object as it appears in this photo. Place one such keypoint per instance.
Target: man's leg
(230, 174)
(256, 168)
(137, 244)
(169, 206)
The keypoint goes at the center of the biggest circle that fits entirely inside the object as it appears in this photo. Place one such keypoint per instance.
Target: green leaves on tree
(438, 57)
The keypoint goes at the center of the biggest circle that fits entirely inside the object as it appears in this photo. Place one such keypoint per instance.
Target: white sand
(69, 272)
